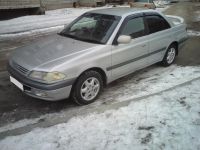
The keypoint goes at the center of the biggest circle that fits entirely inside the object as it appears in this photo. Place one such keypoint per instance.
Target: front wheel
(169, 56)
(87, 88)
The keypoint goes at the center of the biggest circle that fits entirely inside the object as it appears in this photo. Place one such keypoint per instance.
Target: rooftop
(118, 11)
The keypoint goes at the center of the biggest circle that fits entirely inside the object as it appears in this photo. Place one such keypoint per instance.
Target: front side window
(91, 27)
(134, 27)
(156, 23)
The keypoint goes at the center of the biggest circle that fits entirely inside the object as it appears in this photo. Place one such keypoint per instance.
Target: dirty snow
(148, 81)
(162, 9)
(52, 21)
(32, 33)
(193, 33)
(19, 124)
(175, 19)
(142, 83)
(52, 18)
(197, 15)
(161, 3)
(167, 121)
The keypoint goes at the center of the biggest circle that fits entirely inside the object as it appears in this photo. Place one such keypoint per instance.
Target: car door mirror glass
(124, 39)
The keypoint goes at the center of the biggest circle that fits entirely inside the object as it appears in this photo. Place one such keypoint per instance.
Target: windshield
(90, 27)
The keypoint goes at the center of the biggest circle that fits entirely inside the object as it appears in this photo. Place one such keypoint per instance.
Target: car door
(159, 36)
(129, 57)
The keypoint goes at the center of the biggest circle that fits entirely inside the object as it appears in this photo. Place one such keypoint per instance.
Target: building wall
(12, 4)
(55, 4)
(47, 4)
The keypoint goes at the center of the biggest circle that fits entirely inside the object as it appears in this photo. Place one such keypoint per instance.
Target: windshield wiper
(61, 34)
(81, 39)
(67, 35)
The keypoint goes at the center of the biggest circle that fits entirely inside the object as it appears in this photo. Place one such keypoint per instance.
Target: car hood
(47, 50)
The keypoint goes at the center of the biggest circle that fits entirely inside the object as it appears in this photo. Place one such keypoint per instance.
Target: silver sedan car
(97, 48)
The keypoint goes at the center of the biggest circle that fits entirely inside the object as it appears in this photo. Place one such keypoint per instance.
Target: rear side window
(134, 27)
(156, 23)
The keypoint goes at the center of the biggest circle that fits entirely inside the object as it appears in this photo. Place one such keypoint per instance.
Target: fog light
(40, 94)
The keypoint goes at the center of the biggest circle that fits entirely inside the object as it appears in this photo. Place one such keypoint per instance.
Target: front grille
(20, 68)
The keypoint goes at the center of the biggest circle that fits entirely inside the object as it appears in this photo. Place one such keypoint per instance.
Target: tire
(87, 88)
(170, 55)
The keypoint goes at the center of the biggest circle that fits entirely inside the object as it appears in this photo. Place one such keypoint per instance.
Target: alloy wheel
(90, 88)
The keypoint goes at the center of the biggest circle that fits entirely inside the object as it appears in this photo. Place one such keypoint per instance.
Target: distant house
(14, 8)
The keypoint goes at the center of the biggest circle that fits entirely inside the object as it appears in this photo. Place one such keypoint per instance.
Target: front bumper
(50, 95)
(51, 92)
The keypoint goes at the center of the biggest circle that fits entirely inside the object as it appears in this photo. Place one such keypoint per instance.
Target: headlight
(48, 77)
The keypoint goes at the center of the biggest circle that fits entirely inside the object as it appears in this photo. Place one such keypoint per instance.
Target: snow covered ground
(170, 120)
(193, 33)
(153, 80)
(167, 120)
(197, 14)
(161, 3)
(142, 83)
(52, 21)
(149, 81)
(39, 24)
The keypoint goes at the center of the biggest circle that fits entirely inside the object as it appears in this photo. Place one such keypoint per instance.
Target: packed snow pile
(50, 19)
(170, 120)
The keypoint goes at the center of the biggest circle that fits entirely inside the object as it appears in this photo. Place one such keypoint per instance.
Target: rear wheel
(87, 88)
(169, 56)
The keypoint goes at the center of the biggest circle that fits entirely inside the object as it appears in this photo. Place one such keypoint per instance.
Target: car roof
(120, 11)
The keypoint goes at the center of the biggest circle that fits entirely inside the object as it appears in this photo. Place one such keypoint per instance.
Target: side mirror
(124, 39)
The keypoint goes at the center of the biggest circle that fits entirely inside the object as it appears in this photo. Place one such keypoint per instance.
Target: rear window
(156, 23)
